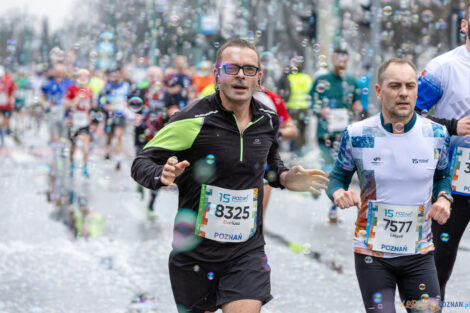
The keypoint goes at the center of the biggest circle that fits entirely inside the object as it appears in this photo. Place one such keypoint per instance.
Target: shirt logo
(256, 141)
(377, 161)
(419, 161)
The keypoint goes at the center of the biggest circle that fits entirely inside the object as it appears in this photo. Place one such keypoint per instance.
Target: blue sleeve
(442, 175)
(442, 182)
(345, 158)
(45, 88)
(429, 91)
(339, 179)
(343, 171)
(443, 161)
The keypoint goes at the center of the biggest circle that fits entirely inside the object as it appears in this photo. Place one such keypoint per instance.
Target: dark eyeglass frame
(238, 67)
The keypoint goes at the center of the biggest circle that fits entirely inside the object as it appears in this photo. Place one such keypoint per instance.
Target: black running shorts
(199, 287)
(73, 134)
(6, 113)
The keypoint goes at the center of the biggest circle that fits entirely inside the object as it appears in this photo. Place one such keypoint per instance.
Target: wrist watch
(447, 196)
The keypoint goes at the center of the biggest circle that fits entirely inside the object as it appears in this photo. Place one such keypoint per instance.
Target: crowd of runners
(214, 131)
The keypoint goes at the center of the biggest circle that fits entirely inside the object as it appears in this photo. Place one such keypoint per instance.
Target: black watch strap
(447, 196)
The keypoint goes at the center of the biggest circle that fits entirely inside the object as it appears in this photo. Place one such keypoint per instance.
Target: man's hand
(345, 199)
(300, 179)
(463, 126)
(171, 170)
(439, 211)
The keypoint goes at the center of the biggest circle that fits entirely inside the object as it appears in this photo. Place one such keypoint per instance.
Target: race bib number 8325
(227, 215)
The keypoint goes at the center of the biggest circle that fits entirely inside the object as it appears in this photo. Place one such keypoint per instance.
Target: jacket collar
(254, 106)
(388, 127)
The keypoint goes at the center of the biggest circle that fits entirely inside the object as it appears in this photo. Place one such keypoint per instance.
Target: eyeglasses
(233, 69)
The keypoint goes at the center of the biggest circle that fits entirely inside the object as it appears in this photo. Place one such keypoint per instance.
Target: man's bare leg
(242, 306)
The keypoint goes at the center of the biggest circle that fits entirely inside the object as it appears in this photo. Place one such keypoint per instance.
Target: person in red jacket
(287, 128)
(7, 98)
(78, 102)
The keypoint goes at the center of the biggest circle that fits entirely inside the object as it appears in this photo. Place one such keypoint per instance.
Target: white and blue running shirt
(394, 168)
(445, 85)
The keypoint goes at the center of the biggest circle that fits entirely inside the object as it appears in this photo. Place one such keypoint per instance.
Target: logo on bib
(239, 199)
(420, 161)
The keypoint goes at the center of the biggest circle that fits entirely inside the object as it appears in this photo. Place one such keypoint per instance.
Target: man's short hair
(235, 43)
(383, 67)
(339, 50)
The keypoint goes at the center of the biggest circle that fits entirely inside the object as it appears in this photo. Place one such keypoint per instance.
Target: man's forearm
(339, 179)
(146, 173)
(442, 182)
(451, 124)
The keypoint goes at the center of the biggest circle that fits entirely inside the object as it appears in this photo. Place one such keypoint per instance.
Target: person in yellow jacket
(299, 101)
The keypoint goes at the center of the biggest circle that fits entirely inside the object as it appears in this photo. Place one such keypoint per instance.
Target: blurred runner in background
(79, 102)
(444, 86)
(147, 101)
(178, 85)
(335, 100)
(113, 101)
(203, 77)
(298, 103)
(54, 95)
(7, 100)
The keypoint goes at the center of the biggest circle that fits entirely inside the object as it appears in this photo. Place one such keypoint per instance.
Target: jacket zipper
(241, 133)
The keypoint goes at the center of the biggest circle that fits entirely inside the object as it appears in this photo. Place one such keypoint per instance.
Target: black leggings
(378, 278)
(446, 251)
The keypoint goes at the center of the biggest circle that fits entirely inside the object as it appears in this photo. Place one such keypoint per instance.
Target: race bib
(394, 228)
(118, 104)
(3, 98)
(461, 171)
(80, 119)
(227, 215)
(338, 120)
(57, 111)
(20, 94)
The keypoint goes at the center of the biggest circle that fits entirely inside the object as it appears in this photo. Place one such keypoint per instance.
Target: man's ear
(463, 26)
(377, 91)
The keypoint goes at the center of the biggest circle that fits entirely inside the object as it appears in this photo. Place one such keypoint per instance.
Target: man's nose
(240, 73)
(404, 92)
